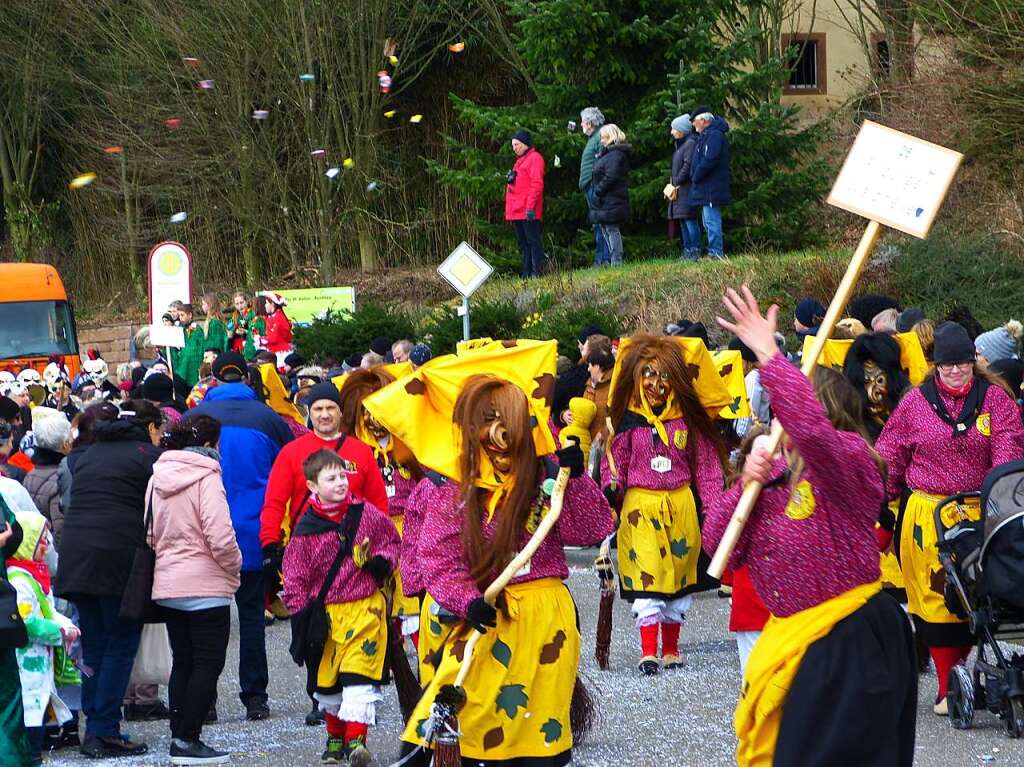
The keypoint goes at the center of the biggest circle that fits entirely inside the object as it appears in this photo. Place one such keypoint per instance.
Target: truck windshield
(36, 329)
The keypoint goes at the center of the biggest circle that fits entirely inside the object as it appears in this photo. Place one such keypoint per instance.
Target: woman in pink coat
(524, 202)
(195, 578)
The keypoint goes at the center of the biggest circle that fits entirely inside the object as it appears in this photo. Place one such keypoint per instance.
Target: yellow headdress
(912, 358)
(418, 408)
(729, 365)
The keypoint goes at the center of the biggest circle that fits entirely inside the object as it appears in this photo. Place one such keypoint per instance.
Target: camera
(511, 177)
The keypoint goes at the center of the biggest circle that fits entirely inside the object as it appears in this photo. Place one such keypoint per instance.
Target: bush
(339, 335)
(489, 318)
(563, 323)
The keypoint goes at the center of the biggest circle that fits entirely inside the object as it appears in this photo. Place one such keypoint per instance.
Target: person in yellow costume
(665, 461)
(397, 466)
(489, 432)
(831, 680)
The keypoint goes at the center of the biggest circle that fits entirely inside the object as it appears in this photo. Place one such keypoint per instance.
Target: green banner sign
(307, 304)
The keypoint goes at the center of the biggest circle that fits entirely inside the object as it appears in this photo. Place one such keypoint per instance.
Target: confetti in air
(372, 186)
(458, 47)
(416, 118)
(308, 77)
(179, 217)
(112, 150)
(571, 126)
(191, 61)
(206, 85)
(390, 113)
(260, 114)
(173, 122)
(348, 162)
(332, 172)
(82, 180)
(318, 153)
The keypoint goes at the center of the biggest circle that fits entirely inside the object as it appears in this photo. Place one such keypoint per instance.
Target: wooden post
(832, 316)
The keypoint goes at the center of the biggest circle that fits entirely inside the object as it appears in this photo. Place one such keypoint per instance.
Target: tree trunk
(251, 259)
(367, 247)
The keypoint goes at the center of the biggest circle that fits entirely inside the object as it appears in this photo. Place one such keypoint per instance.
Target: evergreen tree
(644, 62)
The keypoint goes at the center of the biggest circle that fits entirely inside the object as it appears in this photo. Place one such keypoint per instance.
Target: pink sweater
(196, 551)
(312, 549)
(922, 453)
(408, 559)
(585, 520)
(634, 449)
(798, 563)
(403, 489)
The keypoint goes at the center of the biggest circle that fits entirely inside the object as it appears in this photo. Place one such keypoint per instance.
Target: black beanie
(229, 367)
(746, 353)
(381, 345)
(952, 344)
(589, 330)
(9, 409)
(158, 388)
(294, 360)
(523, 136)
(325, 390)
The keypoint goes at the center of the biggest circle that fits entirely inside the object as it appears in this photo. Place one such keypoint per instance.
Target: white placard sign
(895, 179)
(167, 335)
(170, 278)
(465, 270)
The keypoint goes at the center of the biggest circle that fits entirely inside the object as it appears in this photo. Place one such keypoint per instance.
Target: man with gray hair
(400, 350)
(711, 176)
(53, 441)
(591, 121)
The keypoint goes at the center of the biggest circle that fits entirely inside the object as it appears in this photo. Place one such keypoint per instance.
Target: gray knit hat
(682, 124)
(1002, 343)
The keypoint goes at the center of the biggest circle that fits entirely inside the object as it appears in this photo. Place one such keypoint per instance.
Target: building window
(807, 64)
(883, 58)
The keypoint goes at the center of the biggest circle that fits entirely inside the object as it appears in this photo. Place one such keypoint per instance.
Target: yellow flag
(277, 395)
(418, 409)
(729, 365)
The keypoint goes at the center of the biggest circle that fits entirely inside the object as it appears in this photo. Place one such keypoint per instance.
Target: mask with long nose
(876, 385)
(655, 381)
(496, 441)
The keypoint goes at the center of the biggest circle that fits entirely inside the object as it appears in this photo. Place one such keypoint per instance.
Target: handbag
(12, 627)
(671, 192)
(137, 601)
(310, 625)
(153, 658)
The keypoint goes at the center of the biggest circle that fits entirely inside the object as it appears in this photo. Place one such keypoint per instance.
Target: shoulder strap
(972, 404)
(346, 533)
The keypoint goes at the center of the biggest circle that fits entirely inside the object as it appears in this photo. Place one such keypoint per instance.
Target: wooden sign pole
(835, 311)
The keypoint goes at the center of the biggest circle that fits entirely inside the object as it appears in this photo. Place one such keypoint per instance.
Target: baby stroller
(984, 566)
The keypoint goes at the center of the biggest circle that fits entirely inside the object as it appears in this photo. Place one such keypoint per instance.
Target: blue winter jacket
(710, 174)
(251, 436)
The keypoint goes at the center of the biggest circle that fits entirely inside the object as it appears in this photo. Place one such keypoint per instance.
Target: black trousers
(530, 246)
(199, 646)
(253, 676)
(853, 702)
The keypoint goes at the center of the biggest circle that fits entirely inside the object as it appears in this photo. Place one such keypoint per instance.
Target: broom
(406, 684)
(603, 563)
(452, 697)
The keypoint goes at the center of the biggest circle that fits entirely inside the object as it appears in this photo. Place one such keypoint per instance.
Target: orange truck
(36, 319)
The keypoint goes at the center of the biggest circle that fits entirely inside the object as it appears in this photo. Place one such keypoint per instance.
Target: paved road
(682, 718)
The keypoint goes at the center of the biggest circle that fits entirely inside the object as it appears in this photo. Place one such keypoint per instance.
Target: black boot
(315, 717)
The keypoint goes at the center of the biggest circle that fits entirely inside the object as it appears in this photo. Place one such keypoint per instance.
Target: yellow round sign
(169, 262)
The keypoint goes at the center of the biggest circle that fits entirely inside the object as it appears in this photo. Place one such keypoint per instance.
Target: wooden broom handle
(517, 563)
(835, 310)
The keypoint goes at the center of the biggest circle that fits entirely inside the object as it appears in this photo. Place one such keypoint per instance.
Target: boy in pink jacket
(195, 576)
(352, 667)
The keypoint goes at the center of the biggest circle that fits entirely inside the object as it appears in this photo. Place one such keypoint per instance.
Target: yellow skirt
(432, 637)
(659, 543)
(892, 575)
(356, 646)
(919, 556)
(521, 679)
(401, 605)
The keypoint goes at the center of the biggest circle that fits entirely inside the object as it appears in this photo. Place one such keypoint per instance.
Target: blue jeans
(713, 226)
(109, 645)
(253, 675)
(689, 233)
(601, 255)
(613, 236)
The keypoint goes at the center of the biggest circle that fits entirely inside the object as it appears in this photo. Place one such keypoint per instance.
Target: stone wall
(110, 340)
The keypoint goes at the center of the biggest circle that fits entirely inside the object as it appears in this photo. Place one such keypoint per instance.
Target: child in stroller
(984, 567)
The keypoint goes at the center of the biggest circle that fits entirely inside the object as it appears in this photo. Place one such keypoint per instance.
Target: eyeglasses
(949, 367)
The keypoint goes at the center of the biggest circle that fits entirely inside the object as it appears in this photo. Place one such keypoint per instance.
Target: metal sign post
(465, 270)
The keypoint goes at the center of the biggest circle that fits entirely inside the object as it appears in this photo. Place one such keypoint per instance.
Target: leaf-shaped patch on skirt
(627, 581)
(494, 738)
(656, 524)
(435, 628)
(632, 555)
(369, 647)
(501, 652)
(633, 517)
(552, 730)
(421, 728)
(511, 698)
(919, 536)
(350, 633)
(646, 580)
(458, 649)
(679, 547)
(549, 653)
(937, 582)
(662, 551)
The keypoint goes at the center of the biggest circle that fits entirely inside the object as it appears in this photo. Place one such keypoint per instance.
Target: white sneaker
(941, 708)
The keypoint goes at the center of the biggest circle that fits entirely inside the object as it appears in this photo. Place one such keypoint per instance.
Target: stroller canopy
(1002, 548)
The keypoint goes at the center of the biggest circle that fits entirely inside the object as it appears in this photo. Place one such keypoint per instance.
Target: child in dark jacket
(352, 668)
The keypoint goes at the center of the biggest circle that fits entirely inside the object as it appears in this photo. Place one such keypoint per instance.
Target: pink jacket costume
(585, 520)
(196, 551)
(822, 544)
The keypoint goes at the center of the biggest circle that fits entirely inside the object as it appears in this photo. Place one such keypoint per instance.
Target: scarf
(209, 452)
(332, 512)
(657, 420)
(497, 486)
(975, 395)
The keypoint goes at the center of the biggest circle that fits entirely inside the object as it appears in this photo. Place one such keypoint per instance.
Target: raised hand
(753, 329)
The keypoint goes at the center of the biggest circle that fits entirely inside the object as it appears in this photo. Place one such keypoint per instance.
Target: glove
(273, 555)
(531, 216)
(611, 496)
(481, 615)
(571, 457)
(378, 567)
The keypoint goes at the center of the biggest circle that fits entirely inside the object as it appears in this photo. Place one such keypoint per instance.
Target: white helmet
(55, 376)
(30, 377)
(97, 370)
(7, 380)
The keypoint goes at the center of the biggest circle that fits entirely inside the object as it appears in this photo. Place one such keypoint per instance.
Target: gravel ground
(681, 718)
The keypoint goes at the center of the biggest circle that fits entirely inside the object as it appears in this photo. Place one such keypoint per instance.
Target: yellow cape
(396, 369)
(711, 391)
(729, 365)
(912, 358)
(277, 396)
(418, 409)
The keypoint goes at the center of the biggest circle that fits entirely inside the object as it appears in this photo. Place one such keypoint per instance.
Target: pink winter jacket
(194, 541)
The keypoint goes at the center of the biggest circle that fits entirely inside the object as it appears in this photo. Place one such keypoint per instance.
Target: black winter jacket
(682, 163)
(104, 523)
(610, 183)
